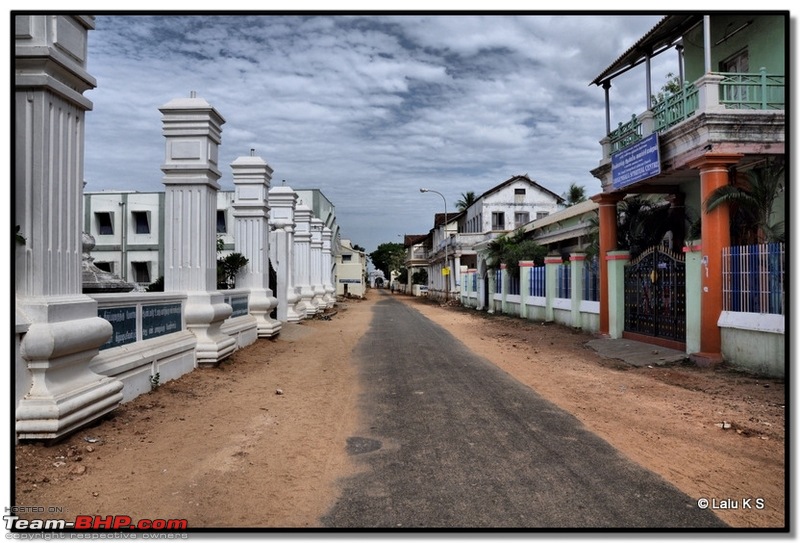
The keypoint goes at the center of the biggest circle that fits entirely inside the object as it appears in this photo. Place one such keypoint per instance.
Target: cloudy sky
(368, 109)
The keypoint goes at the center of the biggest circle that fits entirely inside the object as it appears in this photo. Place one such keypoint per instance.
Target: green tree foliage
(156, 286)
(466, 200)
(575, 194)
(420, 277)
(641, 223)
(511, 249)
(227, 268)
(751, 202)
(402, 276)
(670, 88)
(388, 257)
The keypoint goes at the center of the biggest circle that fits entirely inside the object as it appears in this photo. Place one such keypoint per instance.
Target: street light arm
(446, 267)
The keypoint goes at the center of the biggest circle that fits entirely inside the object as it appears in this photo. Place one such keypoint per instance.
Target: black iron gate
(655, 294)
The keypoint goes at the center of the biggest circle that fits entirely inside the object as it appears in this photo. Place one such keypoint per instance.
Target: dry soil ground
(260, 440)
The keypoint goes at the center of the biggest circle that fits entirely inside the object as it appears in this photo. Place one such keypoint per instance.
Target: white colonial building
(451, 243)
(128, 229)
(351, 271)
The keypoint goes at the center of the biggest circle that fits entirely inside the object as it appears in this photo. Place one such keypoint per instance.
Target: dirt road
(261, 440)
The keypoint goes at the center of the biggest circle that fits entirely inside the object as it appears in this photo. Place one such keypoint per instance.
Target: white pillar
(316, 264)
(282, 202)
(327, 268)
(302, 258)
(193, 131)
(58, 331)
(251, 177)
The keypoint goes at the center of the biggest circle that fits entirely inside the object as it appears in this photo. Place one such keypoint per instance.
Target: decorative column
(551, 264)
(316, 264)
(327, 268)
(302, 258)
(715, 234)
(251, 177)
(192, 129)
(492, 276)
(577, 261)
(282, 202)
(615, 281)
(694, 293)
(504, 284)
(524, 286)
(457, 277)
(57, 326)
(608, 242)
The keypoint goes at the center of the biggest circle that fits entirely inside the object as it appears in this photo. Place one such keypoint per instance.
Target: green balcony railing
(625, 134)
(753, 91)
(676, 108)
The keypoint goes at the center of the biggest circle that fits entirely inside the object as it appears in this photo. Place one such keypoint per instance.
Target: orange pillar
(608, 242)
(714, 234)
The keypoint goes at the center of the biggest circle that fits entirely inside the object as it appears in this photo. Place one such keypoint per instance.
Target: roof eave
(657, 40)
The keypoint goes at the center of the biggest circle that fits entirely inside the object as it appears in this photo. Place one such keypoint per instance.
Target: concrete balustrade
(77, 357)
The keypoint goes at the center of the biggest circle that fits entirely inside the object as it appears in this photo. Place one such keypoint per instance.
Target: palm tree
(751, 202)
(511, 249)
(641, 224)
(467, 199)
(575, 194)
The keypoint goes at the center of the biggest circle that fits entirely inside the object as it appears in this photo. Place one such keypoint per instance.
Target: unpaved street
(452, 441)
(221, 448)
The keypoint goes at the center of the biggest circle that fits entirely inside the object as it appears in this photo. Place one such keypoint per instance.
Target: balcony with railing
(417, 254)
(716, 92)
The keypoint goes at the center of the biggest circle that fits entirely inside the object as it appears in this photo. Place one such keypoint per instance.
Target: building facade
(128, 229)
(722, 127)
(351, 271)
(452, 243)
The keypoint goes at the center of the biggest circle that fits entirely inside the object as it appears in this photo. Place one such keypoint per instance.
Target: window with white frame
(498, 220)
(222, 226)
(141, 221)
(141, 272)
(105, 266)
(105, 223)
(541, 214)
(521, 218)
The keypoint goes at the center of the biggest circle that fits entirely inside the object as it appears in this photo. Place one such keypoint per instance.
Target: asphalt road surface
(451, 441)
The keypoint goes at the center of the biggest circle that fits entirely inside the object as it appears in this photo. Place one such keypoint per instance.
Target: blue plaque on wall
(161, 319)
(239, 305)
(123, 323)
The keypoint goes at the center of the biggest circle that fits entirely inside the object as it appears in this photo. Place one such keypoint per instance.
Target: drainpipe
(123, 205)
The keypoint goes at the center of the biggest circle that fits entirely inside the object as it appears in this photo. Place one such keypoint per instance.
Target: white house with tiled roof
(502, 209)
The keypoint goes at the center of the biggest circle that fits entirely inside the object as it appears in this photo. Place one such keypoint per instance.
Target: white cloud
(366, 109)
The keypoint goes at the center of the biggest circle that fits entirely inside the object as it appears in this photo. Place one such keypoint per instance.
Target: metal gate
(655, 294)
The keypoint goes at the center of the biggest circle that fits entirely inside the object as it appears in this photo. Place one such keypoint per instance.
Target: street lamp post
(446, 268)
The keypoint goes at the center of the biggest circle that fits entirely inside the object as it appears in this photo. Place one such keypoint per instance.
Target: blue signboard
(637, 162)
(123, 323)
(355, 281)
(161, 319)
